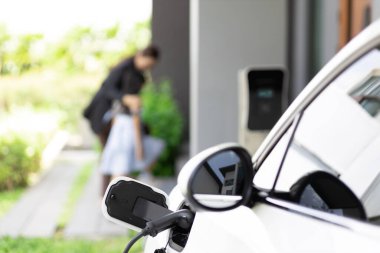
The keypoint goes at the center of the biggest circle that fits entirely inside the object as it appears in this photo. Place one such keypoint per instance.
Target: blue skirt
(118, 157)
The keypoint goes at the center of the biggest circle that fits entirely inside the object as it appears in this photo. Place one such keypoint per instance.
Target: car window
(339, 133)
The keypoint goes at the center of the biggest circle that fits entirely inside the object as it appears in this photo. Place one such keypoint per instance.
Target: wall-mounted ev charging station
(262, 100)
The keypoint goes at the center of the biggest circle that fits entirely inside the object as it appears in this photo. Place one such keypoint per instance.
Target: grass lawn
(24, 245)
(8, 199)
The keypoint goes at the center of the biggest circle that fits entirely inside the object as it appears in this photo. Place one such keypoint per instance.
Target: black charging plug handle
(182, 218)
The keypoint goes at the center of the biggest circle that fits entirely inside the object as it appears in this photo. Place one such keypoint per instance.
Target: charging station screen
(265, 98)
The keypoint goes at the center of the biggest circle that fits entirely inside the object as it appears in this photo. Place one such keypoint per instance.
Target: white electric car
(313, 185)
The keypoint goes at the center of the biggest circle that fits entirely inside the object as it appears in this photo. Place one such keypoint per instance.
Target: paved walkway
(88, 220)
(36, 213)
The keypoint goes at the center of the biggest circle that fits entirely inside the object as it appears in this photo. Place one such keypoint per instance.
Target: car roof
(362, 43)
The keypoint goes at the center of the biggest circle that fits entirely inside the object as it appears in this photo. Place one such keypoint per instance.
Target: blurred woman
(114, 116)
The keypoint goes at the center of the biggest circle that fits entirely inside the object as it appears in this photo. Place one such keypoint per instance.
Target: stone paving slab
(88, 220)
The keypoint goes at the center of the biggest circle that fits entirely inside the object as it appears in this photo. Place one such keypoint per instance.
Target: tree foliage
(80, 49)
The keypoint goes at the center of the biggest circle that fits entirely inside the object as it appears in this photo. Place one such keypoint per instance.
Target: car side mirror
(217, 179)
(132, 204)
(325, 192)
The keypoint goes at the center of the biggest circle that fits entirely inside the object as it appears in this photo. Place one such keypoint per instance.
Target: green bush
(18, 159)
(165, 121)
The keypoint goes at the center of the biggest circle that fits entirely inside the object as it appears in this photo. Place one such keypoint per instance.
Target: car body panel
(227, 232)
(270, 228)
(293, 232)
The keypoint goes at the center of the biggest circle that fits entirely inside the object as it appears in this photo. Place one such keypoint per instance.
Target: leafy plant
(165, 121)
(18, 159)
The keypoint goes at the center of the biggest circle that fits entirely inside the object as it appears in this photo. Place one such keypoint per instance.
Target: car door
(333, 127)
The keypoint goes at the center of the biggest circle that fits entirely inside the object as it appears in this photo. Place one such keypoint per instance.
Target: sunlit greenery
(61, 95)
(56, 245)
(80, 49)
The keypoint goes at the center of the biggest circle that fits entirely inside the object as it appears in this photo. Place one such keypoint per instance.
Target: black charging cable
(182, 218)
(134, 240)
(163, 250)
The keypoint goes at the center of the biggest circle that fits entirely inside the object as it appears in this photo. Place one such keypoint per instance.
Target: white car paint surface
(293, 233)
(227, 232)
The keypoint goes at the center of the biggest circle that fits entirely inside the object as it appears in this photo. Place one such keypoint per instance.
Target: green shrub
(18, 159)
(164, 120)
(24, 133)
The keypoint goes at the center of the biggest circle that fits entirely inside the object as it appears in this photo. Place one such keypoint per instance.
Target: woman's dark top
(122, 80)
